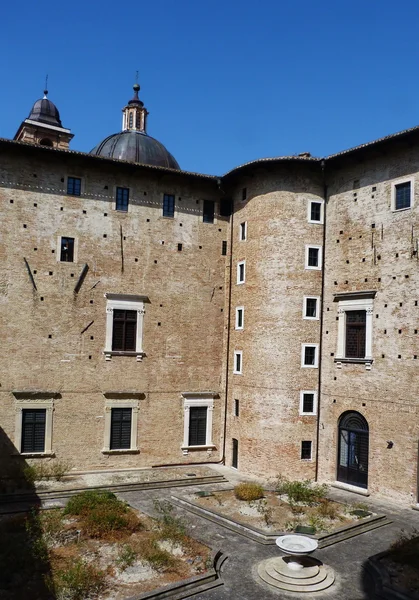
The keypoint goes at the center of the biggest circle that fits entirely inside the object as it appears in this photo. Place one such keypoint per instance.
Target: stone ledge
(326, 539)
(347, 487)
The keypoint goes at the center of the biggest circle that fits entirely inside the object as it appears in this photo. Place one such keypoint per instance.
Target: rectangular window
(236, 407)
(306, 450)
(244, 194)
(73, 186)
(243, 231)
(208, 212)
(67, 249)
(122, 199)
(238, 360)
(308, 402)
(309, 355)
(313, 257)
(402, 195)
(235, 454)
(356, 321)
(124, 331)
(315, 211)
(224, 248)
(168, 205)
(33, 430)
(241, 272)
(239, 317)
(311, 307)
(121, 423)
(197, 425)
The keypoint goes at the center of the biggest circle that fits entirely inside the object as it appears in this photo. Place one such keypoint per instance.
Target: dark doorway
(353, 449)
(235, 457)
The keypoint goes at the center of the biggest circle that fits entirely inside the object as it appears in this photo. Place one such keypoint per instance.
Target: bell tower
(134, 115)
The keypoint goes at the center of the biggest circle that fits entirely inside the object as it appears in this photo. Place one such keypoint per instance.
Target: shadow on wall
(25, 572)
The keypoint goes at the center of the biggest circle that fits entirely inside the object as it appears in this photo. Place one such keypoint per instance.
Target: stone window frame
(82, 185)
(75, 252)
(305, 413)
(121, 400)
(317, 201)
(241, 281)
(236, 325)
(198, 399)
(320, 257)
(317, 298)
(238, 353)
(243, 231)
(24, 401)
(311, 450)
(316, 356)
(397, 182)
(124, 302)
(348, 301)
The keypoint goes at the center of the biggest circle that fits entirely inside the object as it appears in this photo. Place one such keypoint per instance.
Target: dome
(45, 111)
(135, 146)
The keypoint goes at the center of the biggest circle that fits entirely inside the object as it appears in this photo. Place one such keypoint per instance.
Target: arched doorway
(353, 449)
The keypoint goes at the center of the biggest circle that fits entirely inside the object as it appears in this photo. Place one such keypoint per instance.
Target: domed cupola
(133, 144)
(45, 111)
(43, 126)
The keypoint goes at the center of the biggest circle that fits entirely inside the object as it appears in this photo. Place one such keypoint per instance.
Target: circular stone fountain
(296, 572)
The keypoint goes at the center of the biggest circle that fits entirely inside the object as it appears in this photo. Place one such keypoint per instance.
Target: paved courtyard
(347, 558)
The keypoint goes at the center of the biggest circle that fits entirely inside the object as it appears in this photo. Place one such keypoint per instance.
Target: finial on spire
(46, 87)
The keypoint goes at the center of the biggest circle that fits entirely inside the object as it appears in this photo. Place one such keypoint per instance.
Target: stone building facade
(267, 319)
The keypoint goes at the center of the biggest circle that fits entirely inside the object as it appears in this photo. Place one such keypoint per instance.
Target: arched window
(353, 449)
(45, 142)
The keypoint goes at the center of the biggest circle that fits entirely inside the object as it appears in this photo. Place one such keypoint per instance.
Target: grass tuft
(248, 491)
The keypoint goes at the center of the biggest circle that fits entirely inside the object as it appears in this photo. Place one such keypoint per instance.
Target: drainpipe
(319, 384)
(228, 330)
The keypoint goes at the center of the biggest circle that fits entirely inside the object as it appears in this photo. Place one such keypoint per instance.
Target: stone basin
(298, 545)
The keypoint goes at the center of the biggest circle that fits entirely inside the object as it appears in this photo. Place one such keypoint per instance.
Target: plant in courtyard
(78, 581)
(170, 526)
(127, 555)
(328, 509)
(248, 491)
(45, 471)
(317, 523)
(157, 557)
(301, 491)
(102, 513)
(264, 510)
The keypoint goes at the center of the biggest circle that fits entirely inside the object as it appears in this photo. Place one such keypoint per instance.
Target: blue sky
(225, 81)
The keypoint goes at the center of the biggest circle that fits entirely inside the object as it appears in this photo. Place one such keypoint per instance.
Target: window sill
(350, 488)
(122, 451)
(36, 454)
(396, 210)
(109, 353)
(354, 361)
(187, 449)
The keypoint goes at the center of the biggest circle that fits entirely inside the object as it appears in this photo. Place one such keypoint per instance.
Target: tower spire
(46, 87)
(134, 113)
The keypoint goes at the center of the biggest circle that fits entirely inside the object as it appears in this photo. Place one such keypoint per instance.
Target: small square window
(208, 211)
(241, 272)
(122, 199)
(168, 205)
(73, 186)
(239, 317)
(313, 257)
(67, 249)
(238, 360)
(236, 407)
(243, 231)
(309, 355)
(315, 211)
(308, 402)
(306, 450)
(311, 307)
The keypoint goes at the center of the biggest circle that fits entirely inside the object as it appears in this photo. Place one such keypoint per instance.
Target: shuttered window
(355, 333)
(33, 430)
(121, 419)
(124, 331)
(198, 426)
